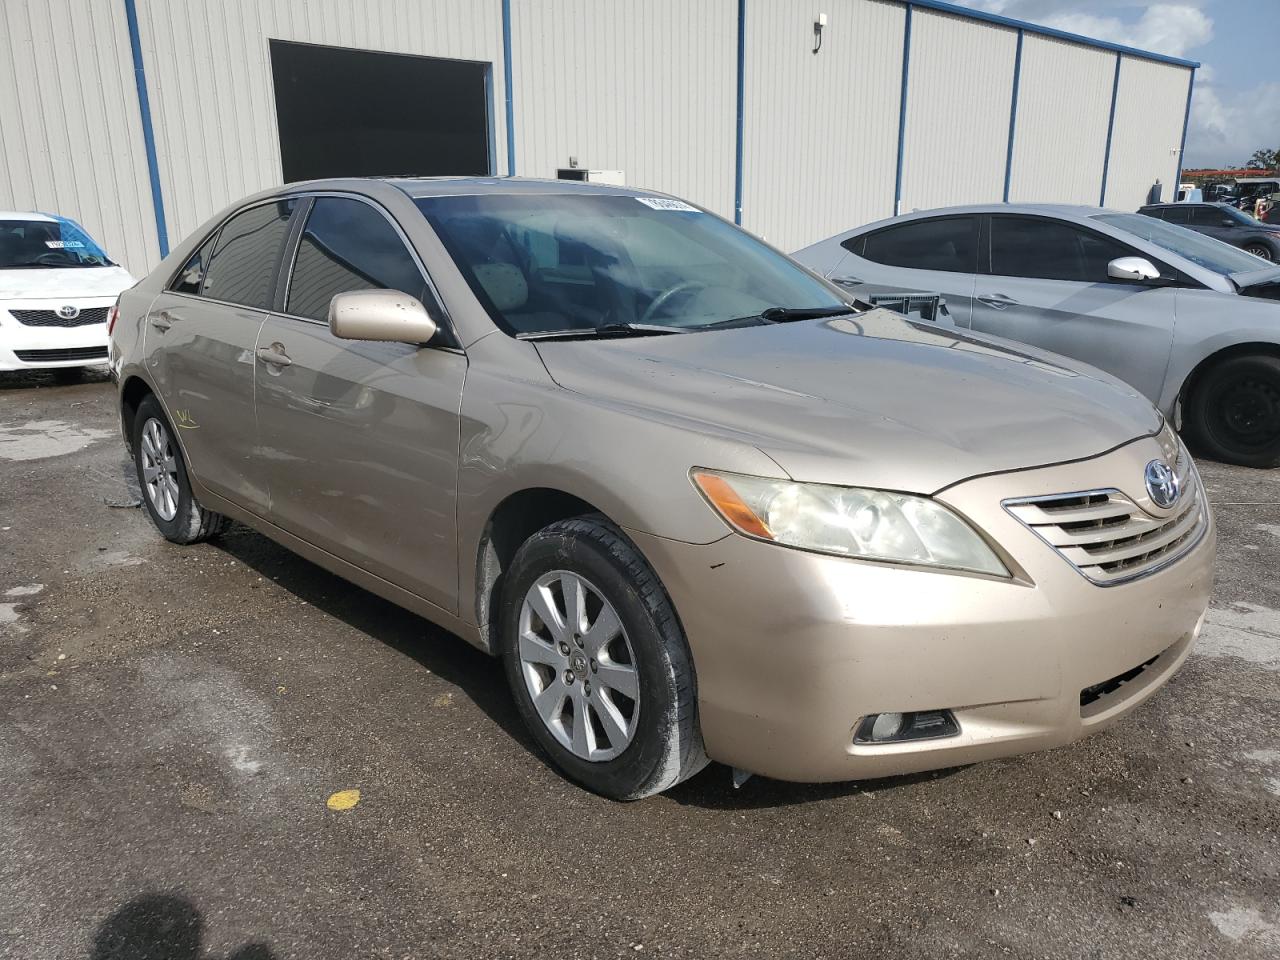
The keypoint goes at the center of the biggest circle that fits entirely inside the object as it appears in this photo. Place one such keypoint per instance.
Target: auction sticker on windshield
(662, 203)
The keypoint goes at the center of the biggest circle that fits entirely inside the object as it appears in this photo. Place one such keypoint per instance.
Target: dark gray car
(1222, 222)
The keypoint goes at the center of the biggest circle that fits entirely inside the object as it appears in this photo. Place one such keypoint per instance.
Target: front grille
(50, 318)
(1108, 537)
(53, 356)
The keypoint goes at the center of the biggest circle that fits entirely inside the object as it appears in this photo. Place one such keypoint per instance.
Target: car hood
(873, 400)
(53, 283)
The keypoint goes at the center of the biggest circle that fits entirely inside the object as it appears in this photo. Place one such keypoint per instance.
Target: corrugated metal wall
(958, 101)
(1060, 144)
(646, 88)
(70, 131)
(821, 130)
(650, 89)
(1150, 106)
(212, 97)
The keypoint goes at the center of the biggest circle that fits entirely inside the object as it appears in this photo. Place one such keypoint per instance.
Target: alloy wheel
(1260, 251)
(159, 469)
(578, 666)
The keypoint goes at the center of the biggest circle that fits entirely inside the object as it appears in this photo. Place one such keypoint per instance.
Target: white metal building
(141, 118)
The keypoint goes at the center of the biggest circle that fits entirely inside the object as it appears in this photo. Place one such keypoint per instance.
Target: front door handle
(274, 355)
(997, 300)
(162, 321)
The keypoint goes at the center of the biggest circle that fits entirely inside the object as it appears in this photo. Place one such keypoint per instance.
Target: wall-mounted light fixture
(818, 26)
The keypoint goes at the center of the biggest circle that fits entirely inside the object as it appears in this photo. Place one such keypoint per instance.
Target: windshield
(56, 242)
(1201, 250)
(563, 262)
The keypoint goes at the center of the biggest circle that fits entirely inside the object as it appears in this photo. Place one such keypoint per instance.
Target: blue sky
(1236, 107)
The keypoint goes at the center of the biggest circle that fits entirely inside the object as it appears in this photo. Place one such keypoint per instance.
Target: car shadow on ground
(63, 377)
(160, 926)
(481, 678)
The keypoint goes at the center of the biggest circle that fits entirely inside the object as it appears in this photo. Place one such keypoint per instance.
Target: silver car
(1193, 323)
(698, 504)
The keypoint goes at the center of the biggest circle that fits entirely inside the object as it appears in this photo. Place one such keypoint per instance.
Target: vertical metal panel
(1151, 106)
(1064, 105)
(70, 133)
(209, 71)
(958, 104)
(646, 88)
(821, 129)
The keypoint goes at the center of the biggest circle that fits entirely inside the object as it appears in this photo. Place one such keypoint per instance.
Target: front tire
(1260, 250)
(162, 476)
(597, 661)
(1233, 413)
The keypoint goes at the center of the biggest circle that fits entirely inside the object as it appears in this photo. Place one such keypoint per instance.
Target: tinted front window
(949, 244)
(550, 262)
(348, 245)
(243, 266)
(1201, 250)
(191, 275)
(1207, 217)
(1051, 250)
(52, 242)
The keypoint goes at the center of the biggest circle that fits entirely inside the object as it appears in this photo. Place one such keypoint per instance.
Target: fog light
(903, 727)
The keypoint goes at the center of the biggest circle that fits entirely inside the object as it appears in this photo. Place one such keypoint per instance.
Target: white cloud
(1225, 131)
(1174, 29)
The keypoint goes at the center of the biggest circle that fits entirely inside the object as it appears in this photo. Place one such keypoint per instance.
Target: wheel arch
(132, 392)
(1251, 348)
(517, 517)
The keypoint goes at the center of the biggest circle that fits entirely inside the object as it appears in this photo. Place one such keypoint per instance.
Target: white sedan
(57, 287)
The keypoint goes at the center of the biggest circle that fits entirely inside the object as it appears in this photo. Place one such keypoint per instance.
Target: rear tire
(1233, 413)
(653, 741)
(1260, 250)
(162, 476)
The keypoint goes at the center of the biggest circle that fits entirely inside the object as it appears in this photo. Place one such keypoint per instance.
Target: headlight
(848, 521)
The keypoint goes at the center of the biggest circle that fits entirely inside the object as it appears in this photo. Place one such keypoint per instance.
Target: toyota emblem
(1162, 484)
(68, 312)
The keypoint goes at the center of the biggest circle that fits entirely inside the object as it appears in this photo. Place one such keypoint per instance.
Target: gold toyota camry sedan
(700, 503)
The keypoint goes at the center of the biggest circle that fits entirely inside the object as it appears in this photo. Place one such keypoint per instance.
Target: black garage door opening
(356, 113)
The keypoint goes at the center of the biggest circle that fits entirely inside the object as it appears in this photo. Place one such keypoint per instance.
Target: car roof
(25, 215)
(417, 187)
(1187, 203)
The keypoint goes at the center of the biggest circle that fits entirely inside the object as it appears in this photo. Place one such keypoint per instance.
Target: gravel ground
(173, 721)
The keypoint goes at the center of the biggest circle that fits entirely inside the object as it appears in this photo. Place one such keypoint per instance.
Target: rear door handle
(997, 300)
(274, 355)
(162, 321)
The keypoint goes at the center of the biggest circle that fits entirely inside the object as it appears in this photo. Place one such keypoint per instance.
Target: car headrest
(504, 283)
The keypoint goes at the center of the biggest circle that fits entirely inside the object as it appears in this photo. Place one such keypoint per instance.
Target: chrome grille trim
(1107, 537)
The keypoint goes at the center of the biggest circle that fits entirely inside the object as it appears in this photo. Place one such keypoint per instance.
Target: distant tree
(1264, 160)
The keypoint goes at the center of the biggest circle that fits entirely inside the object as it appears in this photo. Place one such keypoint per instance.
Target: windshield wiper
(780, 315)
(604, 332)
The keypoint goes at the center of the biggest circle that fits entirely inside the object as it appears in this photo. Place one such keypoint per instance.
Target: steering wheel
(52, 259)
(666, 296)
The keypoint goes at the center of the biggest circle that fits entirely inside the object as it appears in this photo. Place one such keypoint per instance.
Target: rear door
(1045, 283)
(200, 339)
(359, 439)
(935, 255)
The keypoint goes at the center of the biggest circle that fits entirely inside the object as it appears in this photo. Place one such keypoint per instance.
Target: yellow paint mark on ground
(343, 800)
(444, 700)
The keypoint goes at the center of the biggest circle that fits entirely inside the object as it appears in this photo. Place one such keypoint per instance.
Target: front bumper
(792, 649)
(24, 347)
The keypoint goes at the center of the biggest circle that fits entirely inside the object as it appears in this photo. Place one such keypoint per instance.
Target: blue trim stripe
(972, 14)
(1013, 115)
(1111, 127)
(506, 67)
(1186, 121)
(739, 145)
(902, 111)
(148, 132)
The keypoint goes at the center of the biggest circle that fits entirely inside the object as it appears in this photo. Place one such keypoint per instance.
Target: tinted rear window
(243, 266)
(949, 244)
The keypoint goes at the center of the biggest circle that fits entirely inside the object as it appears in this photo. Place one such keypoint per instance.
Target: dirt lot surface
(173, 721)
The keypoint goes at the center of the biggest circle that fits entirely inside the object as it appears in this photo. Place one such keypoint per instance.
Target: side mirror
(1138, 269)
(380, 315)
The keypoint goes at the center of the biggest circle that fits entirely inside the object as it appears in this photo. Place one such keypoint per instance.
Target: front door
(1048, 286)
(200, 339)
(360, 439)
